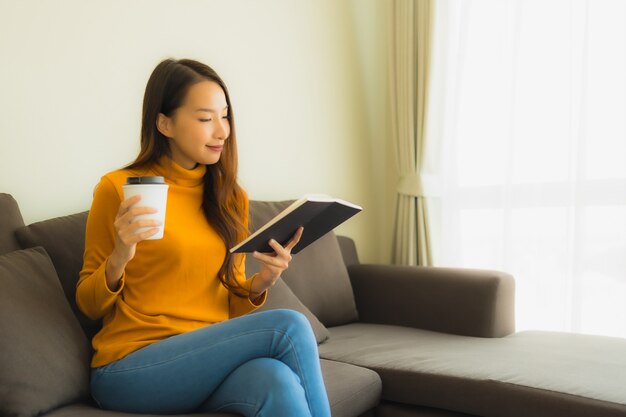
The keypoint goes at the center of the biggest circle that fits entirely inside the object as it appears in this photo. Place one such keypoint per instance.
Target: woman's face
(198, 129)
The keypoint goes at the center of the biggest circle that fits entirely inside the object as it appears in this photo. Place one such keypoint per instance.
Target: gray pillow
(45, 355)
(280, 296)
(317, 275)
(63, 238)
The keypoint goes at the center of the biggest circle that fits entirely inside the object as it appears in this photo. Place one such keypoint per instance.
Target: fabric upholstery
(10, 219)
(64, 240)
(470, 302)
(317, 275)
(390, 409)
(280, 296)
(530, 373)
(88, 410)
(45, 355)
(348, 250)
(352, 390)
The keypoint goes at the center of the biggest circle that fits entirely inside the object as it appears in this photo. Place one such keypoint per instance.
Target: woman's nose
(222, 128)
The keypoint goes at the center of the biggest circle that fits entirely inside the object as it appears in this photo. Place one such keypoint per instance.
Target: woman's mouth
(215, 148)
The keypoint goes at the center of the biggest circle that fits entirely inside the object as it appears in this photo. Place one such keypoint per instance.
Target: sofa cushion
(64, 240)
(317, 275)
(530, 373)
(45, 355)
(87, 410)
(352, 390)
(280, 296)
(10, 220)
(391, 409)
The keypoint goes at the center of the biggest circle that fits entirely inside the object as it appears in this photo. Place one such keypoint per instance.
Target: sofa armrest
(469, 302)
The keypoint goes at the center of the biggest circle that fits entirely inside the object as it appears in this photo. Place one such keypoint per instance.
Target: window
(527, 139)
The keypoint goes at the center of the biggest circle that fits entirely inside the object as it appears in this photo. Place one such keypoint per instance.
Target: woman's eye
(208, 120)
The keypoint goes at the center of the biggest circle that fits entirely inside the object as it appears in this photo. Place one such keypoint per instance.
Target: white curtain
(528, 101)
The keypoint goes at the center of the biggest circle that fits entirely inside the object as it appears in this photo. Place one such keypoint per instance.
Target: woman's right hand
(126, 237)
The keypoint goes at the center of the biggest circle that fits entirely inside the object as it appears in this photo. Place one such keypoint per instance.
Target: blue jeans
(264, 364)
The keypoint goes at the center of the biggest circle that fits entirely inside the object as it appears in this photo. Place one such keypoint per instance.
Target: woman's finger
(147, 233)
(131, 235)
(271, 260)
(133, 212)
(143, 223)
(295, 239)
(280, 251)
(124, 205)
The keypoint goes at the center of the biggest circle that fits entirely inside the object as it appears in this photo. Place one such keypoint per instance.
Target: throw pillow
(280, 296)
(317, 275)
(45, 354)
(63, 238)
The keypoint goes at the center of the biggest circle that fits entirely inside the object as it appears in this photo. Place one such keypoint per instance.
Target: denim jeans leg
(262, 387)
(179, 374)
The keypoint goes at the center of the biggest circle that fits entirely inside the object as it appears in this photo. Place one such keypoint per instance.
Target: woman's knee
(291, 330)
(291, 318)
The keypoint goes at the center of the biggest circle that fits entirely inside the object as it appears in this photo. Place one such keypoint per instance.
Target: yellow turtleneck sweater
(171, 285)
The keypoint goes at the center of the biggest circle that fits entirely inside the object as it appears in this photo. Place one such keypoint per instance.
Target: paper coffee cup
(153, 191)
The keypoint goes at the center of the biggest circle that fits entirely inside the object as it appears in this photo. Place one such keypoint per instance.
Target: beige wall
(370, 19)
(307, 83)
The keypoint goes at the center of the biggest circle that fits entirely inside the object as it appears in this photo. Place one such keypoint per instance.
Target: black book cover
(317, 216)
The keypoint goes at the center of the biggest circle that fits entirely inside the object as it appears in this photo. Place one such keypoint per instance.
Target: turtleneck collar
(176, 174)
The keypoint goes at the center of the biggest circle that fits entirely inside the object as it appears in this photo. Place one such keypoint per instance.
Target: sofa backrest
(10, 220)
(348, 250)
(317, 275)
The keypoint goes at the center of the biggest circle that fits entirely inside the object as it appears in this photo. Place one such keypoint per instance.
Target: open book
(318, 213)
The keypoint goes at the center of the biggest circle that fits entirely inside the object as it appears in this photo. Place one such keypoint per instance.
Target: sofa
(393, 340)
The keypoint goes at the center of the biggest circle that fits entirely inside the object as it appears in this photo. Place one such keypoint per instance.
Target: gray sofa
(393, 341)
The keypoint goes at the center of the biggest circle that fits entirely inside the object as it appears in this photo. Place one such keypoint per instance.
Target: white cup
(153, 191)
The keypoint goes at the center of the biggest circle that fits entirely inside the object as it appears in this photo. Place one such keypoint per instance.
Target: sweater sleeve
(93, 296)
(238, 305)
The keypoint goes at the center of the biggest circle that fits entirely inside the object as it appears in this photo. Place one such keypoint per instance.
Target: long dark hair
(223, 199)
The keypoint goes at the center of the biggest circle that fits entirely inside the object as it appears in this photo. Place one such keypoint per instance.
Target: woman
(176, 336)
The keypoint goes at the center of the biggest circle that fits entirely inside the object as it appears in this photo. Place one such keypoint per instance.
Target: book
(318, 213)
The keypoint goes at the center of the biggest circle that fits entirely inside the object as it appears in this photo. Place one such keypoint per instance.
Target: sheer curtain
(528, 111)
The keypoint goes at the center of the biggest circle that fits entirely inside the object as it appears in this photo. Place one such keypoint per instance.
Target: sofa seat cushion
(88, 410)
(352, 390)
(317, 275)
(530, 373)
(44, 360)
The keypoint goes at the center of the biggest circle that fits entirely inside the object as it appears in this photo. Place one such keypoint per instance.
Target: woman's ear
(163, 125)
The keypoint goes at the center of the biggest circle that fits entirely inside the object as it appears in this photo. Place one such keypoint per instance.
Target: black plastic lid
(145, 180)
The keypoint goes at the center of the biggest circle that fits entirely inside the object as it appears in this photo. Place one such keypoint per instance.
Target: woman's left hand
(274, 264)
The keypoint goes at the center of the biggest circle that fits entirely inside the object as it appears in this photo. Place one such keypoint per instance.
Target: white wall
(306, 80)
